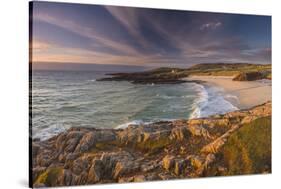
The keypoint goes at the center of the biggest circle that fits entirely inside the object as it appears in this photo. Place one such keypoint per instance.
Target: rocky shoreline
(157, 151)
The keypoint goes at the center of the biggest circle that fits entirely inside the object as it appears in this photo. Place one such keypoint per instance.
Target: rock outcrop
(249, 76)
(157, 151)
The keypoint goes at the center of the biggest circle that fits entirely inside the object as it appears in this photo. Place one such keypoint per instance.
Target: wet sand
(242, 94)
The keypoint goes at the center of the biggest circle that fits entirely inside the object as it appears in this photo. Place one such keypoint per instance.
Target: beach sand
(248, 93)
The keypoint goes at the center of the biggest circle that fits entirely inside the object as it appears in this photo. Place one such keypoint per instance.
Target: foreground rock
(158, 151)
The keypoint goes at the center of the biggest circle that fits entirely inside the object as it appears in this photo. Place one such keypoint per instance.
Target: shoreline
(242, 94)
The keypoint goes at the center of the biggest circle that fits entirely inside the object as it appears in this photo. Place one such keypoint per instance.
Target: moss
(248, 151)
(49, 177)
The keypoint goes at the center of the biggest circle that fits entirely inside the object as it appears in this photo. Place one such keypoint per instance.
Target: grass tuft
(248, 151)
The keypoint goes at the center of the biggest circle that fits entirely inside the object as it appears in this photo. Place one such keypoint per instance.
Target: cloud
(150, 38)
(39, 45)
(263, 54)
(44, 51)
(87, 32)
(211, 26)
(130, 19)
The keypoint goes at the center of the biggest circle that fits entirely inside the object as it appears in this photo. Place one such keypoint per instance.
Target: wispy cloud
(129, 18)
(87, 32)
(210, 26)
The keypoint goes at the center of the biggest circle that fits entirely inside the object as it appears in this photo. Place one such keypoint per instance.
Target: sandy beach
(248, 93)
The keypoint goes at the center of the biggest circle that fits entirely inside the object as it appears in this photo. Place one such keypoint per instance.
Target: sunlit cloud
(55, 53)
(86, 32)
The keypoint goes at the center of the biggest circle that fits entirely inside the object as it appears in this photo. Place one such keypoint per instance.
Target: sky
(111, 35)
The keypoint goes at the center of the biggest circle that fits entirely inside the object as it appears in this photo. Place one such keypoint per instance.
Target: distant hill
(225, 69)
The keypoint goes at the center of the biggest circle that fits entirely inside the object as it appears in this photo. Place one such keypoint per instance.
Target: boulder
(249, 76)
(139, 178)
(89, 139)
(179, 133)
(180, 165)
(37, 171)
(79, 165)
(199, 130)
(168, 162)
(195, 161)
(96, 171)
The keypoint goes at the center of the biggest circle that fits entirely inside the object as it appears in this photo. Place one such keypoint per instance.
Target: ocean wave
(174, 96)
(48, 132)
(134, 122)
(141, 122)
(91, 80)
(211, 100)
(200, 102)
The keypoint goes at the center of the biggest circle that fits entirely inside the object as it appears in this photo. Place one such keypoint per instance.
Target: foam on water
(211, 100)
(46, 133)
(134, 122)
(141, 122)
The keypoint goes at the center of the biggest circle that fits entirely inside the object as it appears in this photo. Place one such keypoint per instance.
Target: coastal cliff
(233, 143)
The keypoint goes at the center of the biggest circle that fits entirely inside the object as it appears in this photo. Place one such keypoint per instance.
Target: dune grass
(248, 151)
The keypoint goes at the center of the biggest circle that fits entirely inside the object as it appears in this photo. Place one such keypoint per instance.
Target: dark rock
(37, 171)
(96, 171)
(249, 76)
(168, 162)
(79, 165)
(180, 165)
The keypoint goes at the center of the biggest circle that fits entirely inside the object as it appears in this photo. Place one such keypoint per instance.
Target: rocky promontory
(251, 76)
(157, 151)
(157, 76)
(166, 75)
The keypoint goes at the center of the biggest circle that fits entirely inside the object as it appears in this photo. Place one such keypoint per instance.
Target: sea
(64, 99)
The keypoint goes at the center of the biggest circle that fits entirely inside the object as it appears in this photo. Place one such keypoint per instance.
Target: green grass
(248, 151)
(50, 176)
(227, 69)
